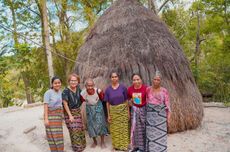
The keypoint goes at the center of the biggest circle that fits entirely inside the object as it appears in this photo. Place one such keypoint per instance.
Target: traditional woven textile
(156, 128)
(76, 131)
(138, 127)
(119, 127)
(96, 123)
(54, 131)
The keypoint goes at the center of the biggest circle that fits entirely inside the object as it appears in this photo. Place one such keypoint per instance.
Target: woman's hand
(46, 121)
(129, 115)
(109, 119)
(168, 117)
(130, 103)
(84, 128)
(71, 118)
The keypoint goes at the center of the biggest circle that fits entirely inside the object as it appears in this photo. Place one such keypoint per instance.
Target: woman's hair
(157, 74)
(53, 79)
(113, 73)
(88, 80)
(73, 75)
(137, 75)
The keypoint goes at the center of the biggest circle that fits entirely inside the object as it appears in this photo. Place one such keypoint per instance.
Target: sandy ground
(212, 136)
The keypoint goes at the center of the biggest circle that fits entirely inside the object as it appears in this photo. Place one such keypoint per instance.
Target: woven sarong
(54, 131)
(76, 130)
(156, 128)
(119, 127)
(96, 123)
(138, 120)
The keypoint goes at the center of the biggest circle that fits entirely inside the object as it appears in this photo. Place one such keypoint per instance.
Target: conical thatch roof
(130, 38)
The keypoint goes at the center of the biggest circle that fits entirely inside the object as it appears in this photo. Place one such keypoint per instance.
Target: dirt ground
(212, 136)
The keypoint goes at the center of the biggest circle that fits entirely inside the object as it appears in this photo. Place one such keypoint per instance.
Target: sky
(79, 23)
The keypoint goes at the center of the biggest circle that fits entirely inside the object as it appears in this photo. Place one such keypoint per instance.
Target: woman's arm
(108, 110)
(46, 120)
(129, 115)
(83, 113)
(167, 103)
(65, 103)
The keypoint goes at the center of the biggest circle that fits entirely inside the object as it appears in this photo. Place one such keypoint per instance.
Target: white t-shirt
(91, 99)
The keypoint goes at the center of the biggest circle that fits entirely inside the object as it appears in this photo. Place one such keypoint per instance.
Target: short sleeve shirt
(116, 96)
(53, 98)
(91, 99)
(138, 96)
(72, 98)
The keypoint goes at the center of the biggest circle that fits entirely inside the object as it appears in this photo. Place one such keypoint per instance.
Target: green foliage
(214, 64)
(6, 94)
(26, 60)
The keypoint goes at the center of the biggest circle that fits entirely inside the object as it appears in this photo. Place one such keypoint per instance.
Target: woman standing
(157, 115)
(96, 123)
(73, 116)
(53, 114)
(137, 94)
(118, 113)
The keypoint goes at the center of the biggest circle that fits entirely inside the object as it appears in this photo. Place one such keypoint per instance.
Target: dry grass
(129, 38)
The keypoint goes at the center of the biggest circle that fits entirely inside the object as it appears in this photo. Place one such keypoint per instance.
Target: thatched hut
(130, 38)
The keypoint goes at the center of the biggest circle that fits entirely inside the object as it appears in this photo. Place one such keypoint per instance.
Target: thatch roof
(130, 38)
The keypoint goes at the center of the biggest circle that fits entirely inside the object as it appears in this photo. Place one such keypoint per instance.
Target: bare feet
(103, 146)
(113, 150)
(93, 145)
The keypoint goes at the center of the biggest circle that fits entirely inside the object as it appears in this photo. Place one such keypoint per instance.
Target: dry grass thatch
(129, 38)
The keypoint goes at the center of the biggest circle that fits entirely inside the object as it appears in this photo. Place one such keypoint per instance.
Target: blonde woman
(73, 115)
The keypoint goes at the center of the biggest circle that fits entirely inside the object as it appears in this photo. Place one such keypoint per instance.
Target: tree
(45, 36)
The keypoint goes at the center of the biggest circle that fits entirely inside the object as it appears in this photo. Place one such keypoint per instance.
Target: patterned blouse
(158, 97)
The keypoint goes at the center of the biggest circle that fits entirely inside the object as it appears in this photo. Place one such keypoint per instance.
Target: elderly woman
(137, 96)
(96, 123)
(73, 116)
(118, 113)
(158, 112)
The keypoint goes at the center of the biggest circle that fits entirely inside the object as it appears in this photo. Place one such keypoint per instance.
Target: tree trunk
(151, 6)
(42, 23)
(226, 12)
(12, 9)
(197, 49)
(29, 95)
(46, 39)
(64, 31)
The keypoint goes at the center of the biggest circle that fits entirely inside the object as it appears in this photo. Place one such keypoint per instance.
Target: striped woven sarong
(76, 130)
(119, 126)
(138, 120)
(156, 128)
(96, 123)
(54, 131)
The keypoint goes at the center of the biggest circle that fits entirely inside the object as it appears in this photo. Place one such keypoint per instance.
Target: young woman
(137, 96)
(96, 123)
(118, 113)
(73, 115)
(53, 114)
(157, 115)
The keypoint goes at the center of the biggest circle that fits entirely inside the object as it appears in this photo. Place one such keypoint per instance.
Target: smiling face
(156, 81)
(89, 86)
(114, 78)
(56, 84)
(137, 82)
(73, 82)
